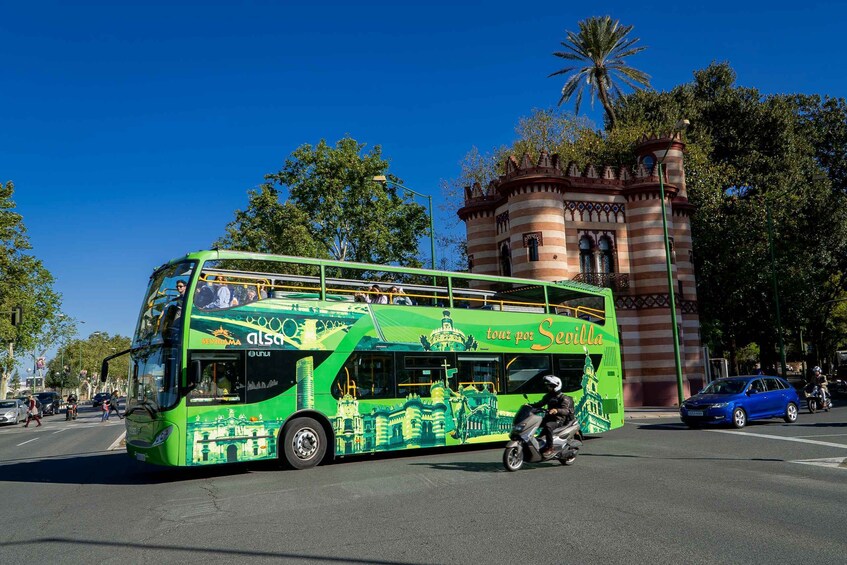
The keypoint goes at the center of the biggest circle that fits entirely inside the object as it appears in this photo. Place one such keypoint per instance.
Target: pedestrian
(113, 404)
(33, 411)
(104, 408)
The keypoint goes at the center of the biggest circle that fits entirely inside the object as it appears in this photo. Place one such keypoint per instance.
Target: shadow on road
(470, 466)
(227, 554)
(108, 469)
(691, 458)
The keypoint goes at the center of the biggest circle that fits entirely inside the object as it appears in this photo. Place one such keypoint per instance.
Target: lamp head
(380, 178)
(681, 125)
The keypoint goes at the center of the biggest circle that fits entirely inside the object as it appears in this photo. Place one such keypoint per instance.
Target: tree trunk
(607, 104)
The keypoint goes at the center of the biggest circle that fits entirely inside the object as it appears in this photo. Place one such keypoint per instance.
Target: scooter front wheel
(513, 457)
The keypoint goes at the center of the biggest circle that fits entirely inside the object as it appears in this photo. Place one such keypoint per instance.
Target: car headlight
(9, 414)
(163, 436)
(720, 405)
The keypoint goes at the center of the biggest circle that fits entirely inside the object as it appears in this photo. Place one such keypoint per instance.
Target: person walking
(113, 404)
(33, 411)
(104, 407)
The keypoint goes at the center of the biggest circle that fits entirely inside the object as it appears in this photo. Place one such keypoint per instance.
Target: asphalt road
(652, 492)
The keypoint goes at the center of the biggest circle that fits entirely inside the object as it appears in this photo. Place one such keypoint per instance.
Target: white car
(12, 411)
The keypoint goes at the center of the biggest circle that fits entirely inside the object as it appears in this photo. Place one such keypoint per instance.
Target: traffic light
(17, 315)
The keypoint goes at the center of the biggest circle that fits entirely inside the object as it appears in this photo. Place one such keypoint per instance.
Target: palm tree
(603, 45)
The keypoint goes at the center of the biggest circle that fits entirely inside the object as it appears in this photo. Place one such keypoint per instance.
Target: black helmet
(553, 382)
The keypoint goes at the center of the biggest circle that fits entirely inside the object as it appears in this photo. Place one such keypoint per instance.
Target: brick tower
(602, 227)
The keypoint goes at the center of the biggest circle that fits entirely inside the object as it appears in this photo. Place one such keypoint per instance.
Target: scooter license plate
(695, 412)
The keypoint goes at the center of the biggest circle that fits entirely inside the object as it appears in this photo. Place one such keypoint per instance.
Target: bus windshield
(153, 381)
(161, 313)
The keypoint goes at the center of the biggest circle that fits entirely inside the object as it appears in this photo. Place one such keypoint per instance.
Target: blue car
(737, 400)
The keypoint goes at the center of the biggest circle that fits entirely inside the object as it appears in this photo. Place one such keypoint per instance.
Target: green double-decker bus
(243, 356)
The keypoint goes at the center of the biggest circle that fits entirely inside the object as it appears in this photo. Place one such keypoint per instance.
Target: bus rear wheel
(304, 443)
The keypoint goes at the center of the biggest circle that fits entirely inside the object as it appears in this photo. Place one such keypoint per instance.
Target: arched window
(532, 247)
(607, 259)
(505, 260)
(586, 254)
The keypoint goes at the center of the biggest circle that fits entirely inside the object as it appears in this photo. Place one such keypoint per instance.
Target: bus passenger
(400, 296)
(251, 296)
(362, 296)
(377, 296)
(223, 296)
(204, 295)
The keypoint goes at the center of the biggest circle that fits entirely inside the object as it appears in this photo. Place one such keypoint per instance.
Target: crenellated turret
(600, 224)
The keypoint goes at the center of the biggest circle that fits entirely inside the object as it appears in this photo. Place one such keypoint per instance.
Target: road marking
(117, 442)
(826, 435)
(797, 439)
(833, 462)
(59, 431)
(27, 441)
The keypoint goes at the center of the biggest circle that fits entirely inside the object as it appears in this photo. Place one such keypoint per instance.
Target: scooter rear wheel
(513, 458)
(568, 459)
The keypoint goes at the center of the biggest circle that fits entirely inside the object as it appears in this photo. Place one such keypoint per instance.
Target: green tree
(750, 155)
(334, 209)
(600, 49)
(23, 282)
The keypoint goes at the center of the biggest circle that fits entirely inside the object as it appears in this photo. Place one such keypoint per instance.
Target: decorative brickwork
(603, 225)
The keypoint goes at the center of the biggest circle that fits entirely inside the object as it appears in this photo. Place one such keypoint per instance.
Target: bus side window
(366, 375)
(221, 382)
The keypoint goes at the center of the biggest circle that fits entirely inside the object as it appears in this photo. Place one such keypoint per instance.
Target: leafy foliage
(23, 282)
(751, 156)
(334, 209)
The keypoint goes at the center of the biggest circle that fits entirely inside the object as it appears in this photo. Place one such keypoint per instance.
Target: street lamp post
(775, 289)
(382, 179)
(680, 126)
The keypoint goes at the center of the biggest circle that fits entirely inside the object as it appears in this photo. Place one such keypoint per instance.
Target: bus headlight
(163, 436)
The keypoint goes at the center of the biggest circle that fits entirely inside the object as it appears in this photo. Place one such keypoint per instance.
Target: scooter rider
(72, 402)
(819, 379)
(559, 408)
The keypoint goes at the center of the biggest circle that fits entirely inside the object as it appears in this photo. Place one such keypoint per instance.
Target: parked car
(99, 398)
(12, 411)
(51, 402)
(738, 400)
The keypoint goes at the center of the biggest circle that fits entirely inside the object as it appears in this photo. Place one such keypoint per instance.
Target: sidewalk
(650, 412)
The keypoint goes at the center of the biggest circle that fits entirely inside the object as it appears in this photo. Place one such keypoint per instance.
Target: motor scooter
(816, 399)
(524, 446)
(70, 412)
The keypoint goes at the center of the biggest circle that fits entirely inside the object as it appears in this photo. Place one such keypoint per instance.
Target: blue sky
(132, 131)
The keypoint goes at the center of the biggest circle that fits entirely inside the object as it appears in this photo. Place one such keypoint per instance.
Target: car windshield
(729, 386)
(8, 404)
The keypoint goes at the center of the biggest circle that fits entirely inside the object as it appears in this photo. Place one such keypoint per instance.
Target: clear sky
(132, 131)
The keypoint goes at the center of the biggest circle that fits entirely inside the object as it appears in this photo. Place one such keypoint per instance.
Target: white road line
(117, 442)
(27, 441)
(59, 431)
(826, 435)
(766, 436)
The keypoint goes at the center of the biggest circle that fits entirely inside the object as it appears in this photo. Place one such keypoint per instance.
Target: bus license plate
(695, 412)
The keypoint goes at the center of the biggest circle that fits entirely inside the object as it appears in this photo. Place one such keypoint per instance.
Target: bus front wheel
(304, 443)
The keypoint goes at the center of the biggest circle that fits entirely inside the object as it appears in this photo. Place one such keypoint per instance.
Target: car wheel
(791, 413)
(304, 443)
(739, 418)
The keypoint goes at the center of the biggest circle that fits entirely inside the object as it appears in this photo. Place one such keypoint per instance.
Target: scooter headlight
(520, 427)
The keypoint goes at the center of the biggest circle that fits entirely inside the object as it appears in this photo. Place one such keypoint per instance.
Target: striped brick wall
(565, 203)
